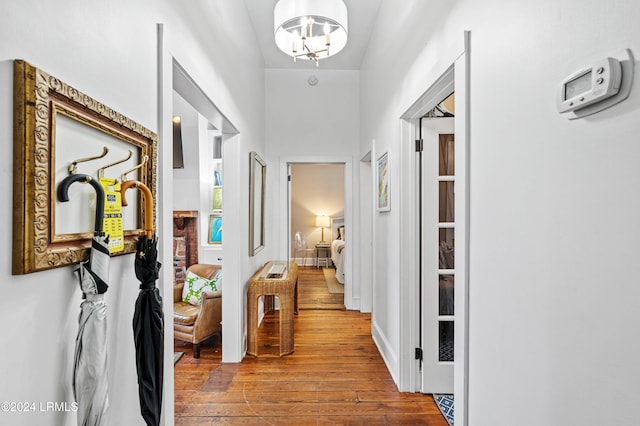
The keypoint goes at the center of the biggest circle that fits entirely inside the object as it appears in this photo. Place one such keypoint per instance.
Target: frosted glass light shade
(291, 19)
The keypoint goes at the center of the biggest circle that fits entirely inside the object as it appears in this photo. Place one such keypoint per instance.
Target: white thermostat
(590, 85)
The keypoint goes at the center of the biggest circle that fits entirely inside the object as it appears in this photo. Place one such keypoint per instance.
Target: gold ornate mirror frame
(38, 99)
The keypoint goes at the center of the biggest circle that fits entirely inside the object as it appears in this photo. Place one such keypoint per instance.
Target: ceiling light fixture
(310, 29)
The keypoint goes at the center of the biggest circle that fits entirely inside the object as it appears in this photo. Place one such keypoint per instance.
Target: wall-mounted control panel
(590, 85)
(597, 86)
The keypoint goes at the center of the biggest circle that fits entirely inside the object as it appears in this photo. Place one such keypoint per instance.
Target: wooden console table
(275, 278)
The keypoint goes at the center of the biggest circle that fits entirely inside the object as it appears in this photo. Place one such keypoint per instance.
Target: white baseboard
(386, 351)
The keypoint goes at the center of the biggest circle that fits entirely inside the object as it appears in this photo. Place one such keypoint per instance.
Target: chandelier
(310, 29)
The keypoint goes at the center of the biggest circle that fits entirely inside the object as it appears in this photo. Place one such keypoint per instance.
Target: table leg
(286, 325)
(252, 326)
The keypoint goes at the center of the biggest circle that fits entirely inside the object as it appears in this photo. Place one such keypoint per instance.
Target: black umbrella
(148, 318)
(90, 385)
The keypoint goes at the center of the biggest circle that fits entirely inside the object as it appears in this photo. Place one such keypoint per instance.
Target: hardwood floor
(335, 376)
(313, 292)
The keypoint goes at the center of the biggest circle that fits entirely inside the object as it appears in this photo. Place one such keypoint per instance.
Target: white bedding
(337, 256)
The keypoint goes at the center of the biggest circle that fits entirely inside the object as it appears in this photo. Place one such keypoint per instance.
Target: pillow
(341, 233)
(194, 285)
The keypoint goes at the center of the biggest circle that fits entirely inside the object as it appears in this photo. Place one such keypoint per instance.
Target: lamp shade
(323, 221)
(329, 19)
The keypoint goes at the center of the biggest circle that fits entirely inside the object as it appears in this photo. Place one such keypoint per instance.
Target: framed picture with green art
(215, 229)
(216, 203)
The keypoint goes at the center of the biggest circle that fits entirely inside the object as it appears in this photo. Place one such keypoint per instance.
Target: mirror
(257, 180)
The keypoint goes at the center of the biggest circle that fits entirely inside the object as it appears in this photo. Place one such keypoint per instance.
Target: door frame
(175, 73)
(352, 275)
(454, 78)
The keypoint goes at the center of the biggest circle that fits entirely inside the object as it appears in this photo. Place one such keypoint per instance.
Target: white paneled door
(438, 232)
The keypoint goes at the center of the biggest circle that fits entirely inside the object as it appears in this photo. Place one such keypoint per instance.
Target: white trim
(288, 195)
(366, 231)
(164, 212)
(234, 325)
(408, 261)
(461, 296)
(352, 275)
(409, 255)
(386, 350)
(457, 72)
(172, 70)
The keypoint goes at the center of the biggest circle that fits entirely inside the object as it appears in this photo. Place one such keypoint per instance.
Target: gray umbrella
(90, 386)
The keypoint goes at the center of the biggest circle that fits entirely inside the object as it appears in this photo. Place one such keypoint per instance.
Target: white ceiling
(362, 16)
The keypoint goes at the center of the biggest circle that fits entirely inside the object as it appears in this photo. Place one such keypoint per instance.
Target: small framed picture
(383, 202)
(215, 229)
(216, 197)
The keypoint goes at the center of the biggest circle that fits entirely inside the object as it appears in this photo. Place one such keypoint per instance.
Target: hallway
(335, 376)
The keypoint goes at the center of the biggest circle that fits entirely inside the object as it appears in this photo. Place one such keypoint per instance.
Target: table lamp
(323, 222)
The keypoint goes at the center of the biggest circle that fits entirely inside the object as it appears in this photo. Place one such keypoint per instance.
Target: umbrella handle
(63, 195)
(148, 203)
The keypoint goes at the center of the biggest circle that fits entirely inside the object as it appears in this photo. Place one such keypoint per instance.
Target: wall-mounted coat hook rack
(103, 168)
(73, 167)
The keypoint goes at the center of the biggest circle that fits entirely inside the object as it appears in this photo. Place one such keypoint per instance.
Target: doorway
(454, 77)
(317, 230)
(352, 288)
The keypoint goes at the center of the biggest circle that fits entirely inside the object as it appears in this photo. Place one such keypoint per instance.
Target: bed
(338, 247)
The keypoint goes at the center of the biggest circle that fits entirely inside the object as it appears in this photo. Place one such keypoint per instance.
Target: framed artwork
(383, 201)
(217, 198)
(215, 229)
(59, 131)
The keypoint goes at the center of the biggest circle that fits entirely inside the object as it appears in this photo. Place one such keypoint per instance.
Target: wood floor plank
(334, 376)
(283, 409)
(355, 385)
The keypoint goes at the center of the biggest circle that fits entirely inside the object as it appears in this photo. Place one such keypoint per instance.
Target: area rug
(332, 283)
(177, 356)
(445, 404)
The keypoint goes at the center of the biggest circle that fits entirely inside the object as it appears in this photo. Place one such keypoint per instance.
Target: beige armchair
(195, 324)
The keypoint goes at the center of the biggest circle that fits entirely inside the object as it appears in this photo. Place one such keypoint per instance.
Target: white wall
(186, 181)
(108, 51)
(554, 208)
(311, 124)
(204, 40)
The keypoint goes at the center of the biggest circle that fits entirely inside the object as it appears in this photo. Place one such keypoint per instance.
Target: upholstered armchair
(192, 323)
